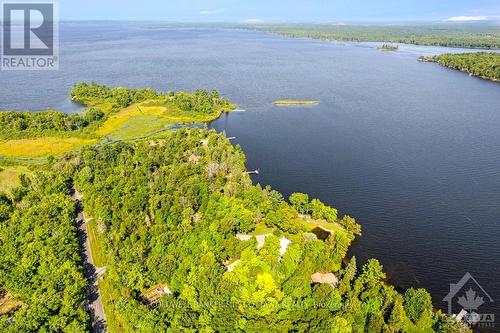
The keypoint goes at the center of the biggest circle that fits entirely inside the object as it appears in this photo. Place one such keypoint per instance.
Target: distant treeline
(464, 36)
(18, 124)
(483, 64)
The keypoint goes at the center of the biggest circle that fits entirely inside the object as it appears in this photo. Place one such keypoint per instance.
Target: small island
(388, 47)
(295, 102)
(485, 65)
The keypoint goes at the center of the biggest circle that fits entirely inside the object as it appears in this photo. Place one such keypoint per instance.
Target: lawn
(96, 244)
(109, 296)
(310, 224)
(261, 229)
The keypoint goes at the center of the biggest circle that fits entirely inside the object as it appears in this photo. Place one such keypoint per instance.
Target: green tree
(341, 325)
(446, 324)
(372, 272)
(397, 317)
(418, 305)
(351, 226)
(300, 202)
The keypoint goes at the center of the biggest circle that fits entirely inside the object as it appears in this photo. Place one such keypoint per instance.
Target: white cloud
(466, 18)
(213, 11)
(252, 21)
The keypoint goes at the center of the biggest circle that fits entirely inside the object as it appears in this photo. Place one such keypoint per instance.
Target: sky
(280, 10)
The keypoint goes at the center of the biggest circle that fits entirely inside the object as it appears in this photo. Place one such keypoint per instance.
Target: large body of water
(411, 149)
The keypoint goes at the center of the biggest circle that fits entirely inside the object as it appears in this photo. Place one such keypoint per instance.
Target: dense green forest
(17, 124)
(483, 64)
(42, 286)
(452, 35)
(93, 93)
(172, 213)
(188, 242)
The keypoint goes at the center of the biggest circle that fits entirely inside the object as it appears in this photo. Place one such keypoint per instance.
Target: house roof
(284, 242)
(243, 237)
(324, 278)
(231, 267)
(153, 294)
(261, 239)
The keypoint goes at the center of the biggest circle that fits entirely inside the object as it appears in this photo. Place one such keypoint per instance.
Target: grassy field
(134, 122)
(96, 244)
(9, 177)
(109, 295)
(145, 118)
(295, 102)
(41, 146)
(261, 229)
(120, 119)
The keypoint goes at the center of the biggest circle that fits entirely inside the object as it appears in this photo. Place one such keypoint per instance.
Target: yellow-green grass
(114, 323)
(9, 177)
(103, 104)
(96, 244)
(41, 147)
(310, 224)
(143, 119)
(137, 127)
(108, 294)
(119, 119)
(136, 121)
(295, 102)
(261, 229)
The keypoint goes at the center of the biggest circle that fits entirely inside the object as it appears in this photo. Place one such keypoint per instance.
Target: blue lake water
(411, 149)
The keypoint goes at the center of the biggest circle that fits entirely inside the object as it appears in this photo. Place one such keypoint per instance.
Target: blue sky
(280, 10)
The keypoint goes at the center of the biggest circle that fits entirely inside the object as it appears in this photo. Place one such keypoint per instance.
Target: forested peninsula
(186, 241)
(485, 65)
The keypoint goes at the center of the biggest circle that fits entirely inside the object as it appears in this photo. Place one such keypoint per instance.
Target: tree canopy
(482, 64)
(189, 243)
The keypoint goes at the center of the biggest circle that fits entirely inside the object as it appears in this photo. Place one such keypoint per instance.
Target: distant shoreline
(471, 63)
(295, 102)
